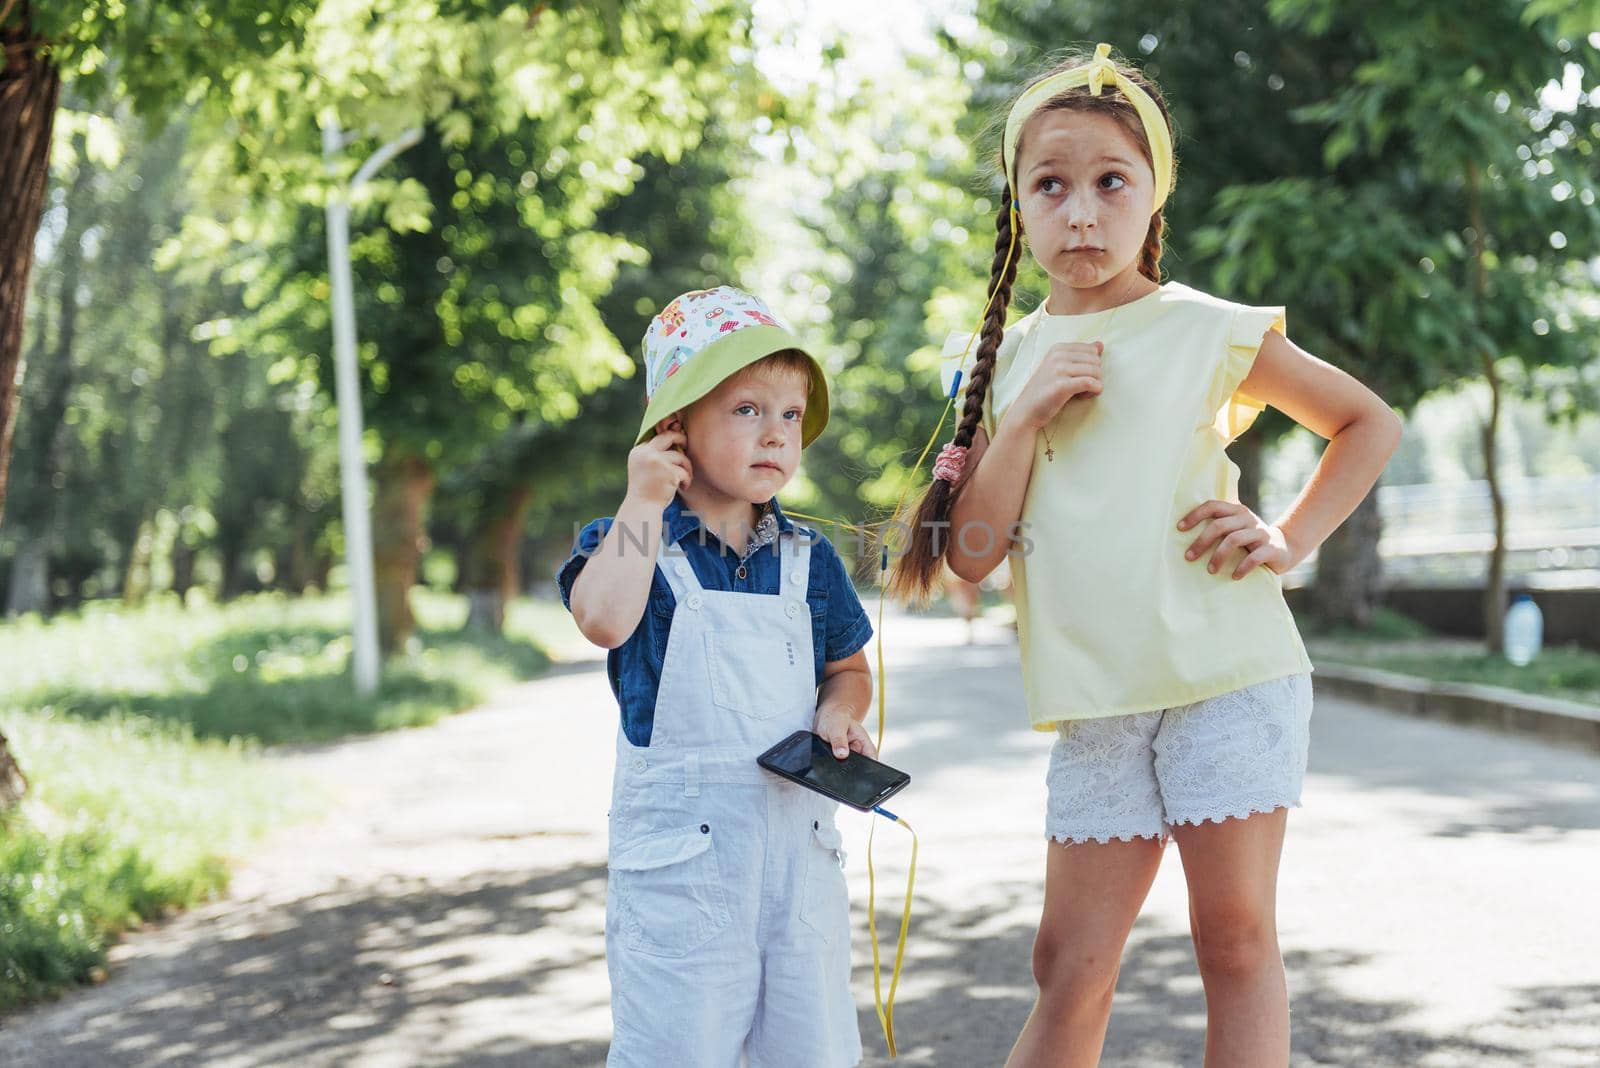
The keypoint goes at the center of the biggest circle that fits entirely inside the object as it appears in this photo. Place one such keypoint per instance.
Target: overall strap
(794, 563)
(675, 567)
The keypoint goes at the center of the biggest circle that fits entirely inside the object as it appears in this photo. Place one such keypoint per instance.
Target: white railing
(1441, 534)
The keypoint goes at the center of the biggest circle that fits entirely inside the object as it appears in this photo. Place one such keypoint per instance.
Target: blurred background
(1416, 182)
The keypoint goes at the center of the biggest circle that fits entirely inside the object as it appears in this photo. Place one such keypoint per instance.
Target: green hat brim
(726, 356)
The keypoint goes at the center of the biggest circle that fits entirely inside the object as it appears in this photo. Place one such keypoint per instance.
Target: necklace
(1049, 449)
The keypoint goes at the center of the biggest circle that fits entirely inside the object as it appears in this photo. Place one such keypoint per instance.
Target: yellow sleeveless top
(1111, 618)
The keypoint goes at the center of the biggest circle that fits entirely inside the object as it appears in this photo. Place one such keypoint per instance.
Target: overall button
(682, 567)
(693, 601)
(639, 764)
(795, 576)
(791, 609)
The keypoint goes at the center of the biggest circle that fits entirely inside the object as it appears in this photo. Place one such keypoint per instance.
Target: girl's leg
(1232, 871)
(1092, 895)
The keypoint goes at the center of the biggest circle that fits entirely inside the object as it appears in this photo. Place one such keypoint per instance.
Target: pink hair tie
(949, 463)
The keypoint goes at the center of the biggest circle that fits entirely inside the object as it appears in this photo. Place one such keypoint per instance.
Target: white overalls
(727, 921)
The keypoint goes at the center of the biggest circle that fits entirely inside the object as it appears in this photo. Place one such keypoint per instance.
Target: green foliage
(1386, 625)
(141, 731)
(127, 817)
(134, 442)
(886, 252)
(267, 668)
(156, 54)
(1324, 154)
(1570, 673)
(579, 466)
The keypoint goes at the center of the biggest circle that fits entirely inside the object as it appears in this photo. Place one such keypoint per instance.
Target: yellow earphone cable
(885, 1007)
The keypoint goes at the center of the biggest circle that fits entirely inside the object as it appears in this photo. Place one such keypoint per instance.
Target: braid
(1002, 274)
(916, 570)
(1150, 255)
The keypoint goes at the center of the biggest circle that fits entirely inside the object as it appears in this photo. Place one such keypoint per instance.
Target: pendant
(1049, 454)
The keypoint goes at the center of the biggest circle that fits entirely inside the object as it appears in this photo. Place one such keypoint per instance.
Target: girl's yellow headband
(1095, 74)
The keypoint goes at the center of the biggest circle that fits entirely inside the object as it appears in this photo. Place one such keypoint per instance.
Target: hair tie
(947, 466)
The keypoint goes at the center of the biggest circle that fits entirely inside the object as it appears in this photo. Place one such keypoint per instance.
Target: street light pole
(352, 466)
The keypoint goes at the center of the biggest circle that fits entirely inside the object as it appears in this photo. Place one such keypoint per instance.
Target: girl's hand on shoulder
(1230, 526)
(1067, 370)
(658, 468)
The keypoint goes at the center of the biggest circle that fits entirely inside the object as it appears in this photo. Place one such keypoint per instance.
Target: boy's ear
(671, 422)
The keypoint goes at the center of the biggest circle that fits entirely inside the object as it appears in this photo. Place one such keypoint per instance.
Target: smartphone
(858, 781)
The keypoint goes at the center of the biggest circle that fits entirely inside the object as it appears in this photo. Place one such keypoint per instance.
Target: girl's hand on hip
(1066, 370)
(1229, 526)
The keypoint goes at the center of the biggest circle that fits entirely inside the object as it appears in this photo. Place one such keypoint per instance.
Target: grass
(271, 669)
(126, 818)
(142, 735)
(1397, 643)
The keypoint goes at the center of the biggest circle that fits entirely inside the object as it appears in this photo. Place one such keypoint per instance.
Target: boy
(727, 926)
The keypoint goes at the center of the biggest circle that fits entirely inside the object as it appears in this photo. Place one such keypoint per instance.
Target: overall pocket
(825, 900)
(668, 891)
(748, 674)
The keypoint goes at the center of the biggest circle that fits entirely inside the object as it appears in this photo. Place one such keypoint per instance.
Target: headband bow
(1095, 74)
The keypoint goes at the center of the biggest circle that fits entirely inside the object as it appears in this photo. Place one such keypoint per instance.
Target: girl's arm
(1362, 433)
(991, 499)
(609, 594)
(997, 472)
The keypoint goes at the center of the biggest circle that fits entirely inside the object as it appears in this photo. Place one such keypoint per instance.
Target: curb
(1468, 703)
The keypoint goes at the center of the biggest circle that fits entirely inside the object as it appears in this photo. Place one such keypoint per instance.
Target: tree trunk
(183, 556)
(295, 575)
(30, 579)
(404, 484)
(1349, 571)
(48, 437)
(136, 565)
(494, 563)
(1494, 586)
(30, 87)
(230, 551)
(13, 784)
(461, 552)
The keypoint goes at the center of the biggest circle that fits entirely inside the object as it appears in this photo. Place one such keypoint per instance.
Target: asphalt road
(1438, 902)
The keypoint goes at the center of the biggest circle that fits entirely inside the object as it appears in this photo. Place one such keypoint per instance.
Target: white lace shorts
(1137, 776)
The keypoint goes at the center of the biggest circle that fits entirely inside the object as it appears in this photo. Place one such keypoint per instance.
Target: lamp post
(352, 466)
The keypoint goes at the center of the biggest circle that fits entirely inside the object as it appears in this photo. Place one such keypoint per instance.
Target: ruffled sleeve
(1236, 409)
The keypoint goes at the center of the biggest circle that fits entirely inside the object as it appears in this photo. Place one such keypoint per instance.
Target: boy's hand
(658, 468)
(839, 729)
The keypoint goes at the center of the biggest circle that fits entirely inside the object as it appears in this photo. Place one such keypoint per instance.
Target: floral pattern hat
(707, 335)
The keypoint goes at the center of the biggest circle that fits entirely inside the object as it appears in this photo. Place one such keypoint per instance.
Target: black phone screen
(858, 781)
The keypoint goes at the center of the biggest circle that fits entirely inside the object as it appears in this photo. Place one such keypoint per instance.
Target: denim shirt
(839, 625)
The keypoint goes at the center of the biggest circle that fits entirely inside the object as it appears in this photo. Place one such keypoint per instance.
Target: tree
(531, 125)
(152, 56)
(1309, 183)
(1480, 180)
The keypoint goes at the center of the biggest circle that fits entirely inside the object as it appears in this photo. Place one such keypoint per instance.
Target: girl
(1155, 640)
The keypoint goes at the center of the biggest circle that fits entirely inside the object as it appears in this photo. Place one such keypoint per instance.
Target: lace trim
(1237, 812)
(1107, 839)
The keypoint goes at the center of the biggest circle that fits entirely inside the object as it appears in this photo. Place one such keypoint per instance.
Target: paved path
(1439, 899)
